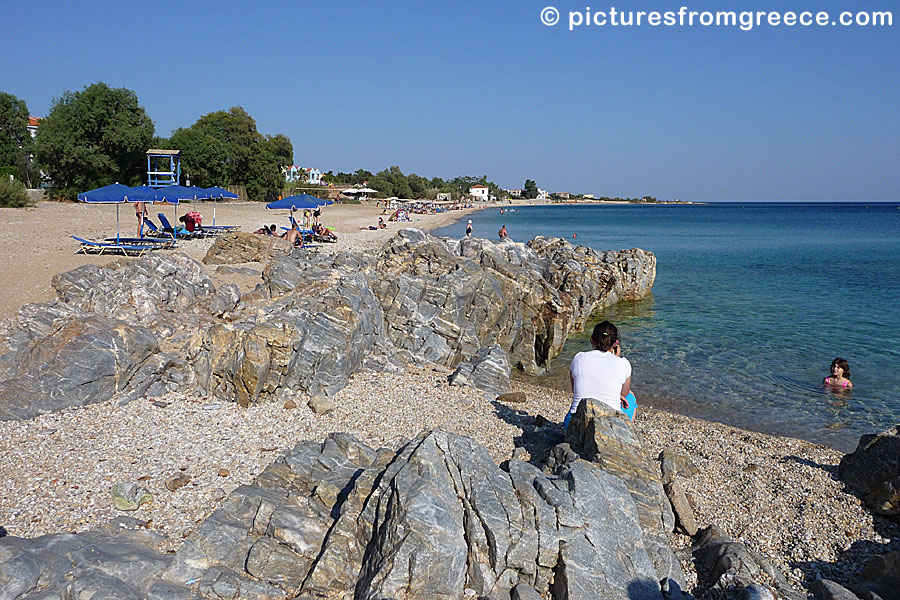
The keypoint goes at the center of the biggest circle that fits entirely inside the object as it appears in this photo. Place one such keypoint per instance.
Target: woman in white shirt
(602, 374)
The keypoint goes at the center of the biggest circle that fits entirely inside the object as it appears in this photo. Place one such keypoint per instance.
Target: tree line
(100, 135)
(392, 182)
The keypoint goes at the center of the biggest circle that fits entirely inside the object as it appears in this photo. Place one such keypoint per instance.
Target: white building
(542, 194)
(516, 193)
(479, 192)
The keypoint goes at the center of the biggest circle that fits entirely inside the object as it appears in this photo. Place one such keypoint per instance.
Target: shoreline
(778, 495)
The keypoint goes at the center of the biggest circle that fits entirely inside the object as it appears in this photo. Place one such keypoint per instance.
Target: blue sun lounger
(167, 227)
(89, 247)
(158, 242)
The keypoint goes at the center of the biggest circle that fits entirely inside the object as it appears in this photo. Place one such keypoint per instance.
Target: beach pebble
(512, 397)
(129, 496)
(321, 405)
(177, 481)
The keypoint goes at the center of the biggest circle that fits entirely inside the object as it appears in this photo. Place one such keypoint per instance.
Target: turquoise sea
(751, 303)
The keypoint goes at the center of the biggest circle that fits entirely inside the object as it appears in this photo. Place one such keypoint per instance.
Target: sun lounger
(167, 227)
(89, 247)
(161, 242)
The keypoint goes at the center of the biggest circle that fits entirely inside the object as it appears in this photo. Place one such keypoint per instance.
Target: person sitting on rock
(602, 374)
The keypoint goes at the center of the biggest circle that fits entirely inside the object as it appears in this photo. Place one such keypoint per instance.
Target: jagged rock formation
(158, 322)
(434, 519)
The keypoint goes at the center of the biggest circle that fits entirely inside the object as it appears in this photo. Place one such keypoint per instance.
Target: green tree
(282, 148)
(15, 141)
(93, 138)
(225, 148)
(530, 190)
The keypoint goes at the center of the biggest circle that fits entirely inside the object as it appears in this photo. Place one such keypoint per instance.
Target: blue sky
(472, 88)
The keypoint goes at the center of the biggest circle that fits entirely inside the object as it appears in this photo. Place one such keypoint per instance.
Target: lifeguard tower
(163, 167)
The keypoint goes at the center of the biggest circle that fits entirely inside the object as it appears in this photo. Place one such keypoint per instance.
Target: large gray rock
(734, 571)
(873, 471)
(80, 361)
(155, 290)
(488, 371)
(430, 521)
(319, 329)
(605, 436)
(112, 562)
(446, 299)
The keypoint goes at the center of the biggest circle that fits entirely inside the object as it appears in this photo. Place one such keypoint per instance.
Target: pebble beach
(780, 496)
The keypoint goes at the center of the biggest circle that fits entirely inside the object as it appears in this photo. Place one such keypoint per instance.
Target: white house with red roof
(480, 192)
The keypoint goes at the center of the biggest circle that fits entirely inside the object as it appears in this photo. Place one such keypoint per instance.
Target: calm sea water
(750, 305)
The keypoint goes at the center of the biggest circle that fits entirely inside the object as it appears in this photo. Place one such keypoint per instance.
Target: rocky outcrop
(76, 360)
(873, 471)
(115, 562)
(237, 247)
(446, 299)
(158, 322)
(434, 519)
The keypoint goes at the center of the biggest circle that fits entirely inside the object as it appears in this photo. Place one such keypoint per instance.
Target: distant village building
(563, 195)
(295, 174)
(33, 124)
(479, 192)
(444, 197)
(542, 194)
(587, 196)
(515, 193)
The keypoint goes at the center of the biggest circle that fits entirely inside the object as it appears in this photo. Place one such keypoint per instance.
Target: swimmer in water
(840, 375)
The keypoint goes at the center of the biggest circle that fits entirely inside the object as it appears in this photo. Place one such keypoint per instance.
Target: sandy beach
(780, 496)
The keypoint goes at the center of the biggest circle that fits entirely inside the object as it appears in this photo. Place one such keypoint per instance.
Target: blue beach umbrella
(219, 193)
(301, 202)
(117, 194)
(173, 194)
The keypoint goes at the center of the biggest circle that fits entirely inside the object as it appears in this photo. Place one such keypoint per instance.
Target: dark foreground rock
(435, 518)
(158, 323)
(873, 471)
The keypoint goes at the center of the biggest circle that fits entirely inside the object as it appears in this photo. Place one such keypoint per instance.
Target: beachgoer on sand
(602, 374)
(293, 237)
(502, 233)
(840, 375)
(140, 210)
(381, 225)
(469, 228)
(192, 220)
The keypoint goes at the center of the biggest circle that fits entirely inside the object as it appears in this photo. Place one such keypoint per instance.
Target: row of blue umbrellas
(172, 194)
(117, 193)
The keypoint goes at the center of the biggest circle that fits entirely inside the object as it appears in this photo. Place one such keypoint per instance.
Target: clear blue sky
(472, 88)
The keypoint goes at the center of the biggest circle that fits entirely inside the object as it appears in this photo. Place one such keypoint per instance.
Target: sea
(751, 303)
